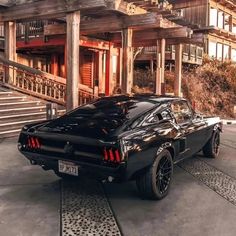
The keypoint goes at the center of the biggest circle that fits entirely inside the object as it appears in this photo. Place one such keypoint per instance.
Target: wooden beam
(49, 9)
(142, 36)
(178, 69)
(73, 36)
(10, 47)
(125, 7)
(127, 65)
(95, 26)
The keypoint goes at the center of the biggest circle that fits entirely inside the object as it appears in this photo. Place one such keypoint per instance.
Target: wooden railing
(31, 29)
(191, 53)
(38, 83)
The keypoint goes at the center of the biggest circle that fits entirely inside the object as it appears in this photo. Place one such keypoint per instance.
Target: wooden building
(216, 19)
(71, 52)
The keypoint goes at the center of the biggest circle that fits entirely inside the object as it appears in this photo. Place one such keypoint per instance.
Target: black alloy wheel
(155, 182)
(212, 147)
(163, 174)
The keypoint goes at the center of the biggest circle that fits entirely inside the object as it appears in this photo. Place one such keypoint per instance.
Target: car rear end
(74, 155)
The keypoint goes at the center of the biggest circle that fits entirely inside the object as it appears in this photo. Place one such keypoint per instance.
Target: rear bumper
(95, 171)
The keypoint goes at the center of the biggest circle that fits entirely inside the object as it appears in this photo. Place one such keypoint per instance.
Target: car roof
(145, 97)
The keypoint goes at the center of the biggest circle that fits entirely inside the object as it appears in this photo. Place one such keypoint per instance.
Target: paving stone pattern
(86, 210)
(215, 179)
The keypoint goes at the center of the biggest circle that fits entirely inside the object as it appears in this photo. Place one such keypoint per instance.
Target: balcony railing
(191, 53)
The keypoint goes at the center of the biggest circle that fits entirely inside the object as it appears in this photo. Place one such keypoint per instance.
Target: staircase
(17, 110)
(28, 90)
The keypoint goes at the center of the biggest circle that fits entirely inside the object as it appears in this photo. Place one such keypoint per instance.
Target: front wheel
(155, 182)
(212, 147)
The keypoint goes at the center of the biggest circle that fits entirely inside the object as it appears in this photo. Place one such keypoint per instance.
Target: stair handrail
(42, 84)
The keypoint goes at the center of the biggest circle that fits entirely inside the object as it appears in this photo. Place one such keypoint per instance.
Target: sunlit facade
(220, 45)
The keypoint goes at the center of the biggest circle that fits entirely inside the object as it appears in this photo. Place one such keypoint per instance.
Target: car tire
(212, 147)
(155, 182)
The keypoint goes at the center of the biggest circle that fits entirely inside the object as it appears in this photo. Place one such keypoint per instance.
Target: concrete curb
(229, 122)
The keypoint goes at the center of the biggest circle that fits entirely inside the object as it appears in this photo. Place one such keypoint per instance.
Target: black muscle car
(123, 138)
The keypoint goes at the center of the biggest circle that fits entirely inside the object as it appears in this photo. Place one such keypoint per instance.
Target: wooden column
(72, 41)
(109, 72)
(152, 67)
(163, 60)
(160, 70)
(54, 65)
(65, 61)
(127, 73)
(178, 69)
(10, 47)
(101, 80)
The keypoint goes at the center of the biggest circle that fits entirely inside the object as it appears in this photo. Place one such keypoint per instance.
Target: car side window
(157, 117)
(181, 111)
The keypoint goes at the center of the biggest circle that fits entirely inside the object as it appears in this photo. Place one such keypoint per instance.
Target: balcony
(192, 54)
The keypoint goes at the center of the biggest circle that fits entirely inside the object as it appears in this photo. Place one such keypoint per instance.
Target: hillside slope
(211, 87)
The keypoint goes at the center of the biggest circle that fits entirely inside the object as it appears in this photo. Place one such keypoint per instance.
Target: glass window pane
(181, 111)
(234, 28)
(233, 55)
(213, 17)
(212, 49)
(221, 19)
(226, 52)
(226, 24)
(219, 51)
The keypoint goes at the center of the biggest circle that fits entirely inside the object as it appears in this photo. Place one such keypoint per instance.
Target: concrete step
(16, 125)
(22, 110)
(19, 104)
(21, 117)
(5, 94)
(12, 99)
(10, 133)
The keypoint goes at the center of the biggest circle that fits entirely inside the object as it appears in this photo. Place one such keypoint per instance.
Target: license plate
(68, 168)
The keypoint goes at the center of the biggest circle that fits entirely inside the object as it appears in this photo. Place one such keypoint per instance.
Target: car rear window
(111, 108)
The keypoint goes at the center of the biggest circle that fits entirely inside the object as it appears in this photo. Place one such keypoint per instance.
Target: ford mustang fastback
(123, 138)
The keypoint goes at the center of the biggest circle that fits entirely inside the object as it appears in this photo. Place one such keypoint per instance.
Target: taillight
(33, 143)
(112, 155)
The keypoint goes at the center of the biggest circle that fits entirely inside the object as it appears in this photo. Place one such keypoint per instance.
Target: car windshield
(126, 109)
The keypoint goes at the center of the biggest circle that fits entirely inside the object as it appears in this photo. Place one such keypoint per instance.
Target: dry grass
(212, 86)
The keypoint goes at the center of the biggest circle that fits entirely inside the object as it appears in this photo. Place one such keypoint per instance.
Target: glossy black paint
(139, 127)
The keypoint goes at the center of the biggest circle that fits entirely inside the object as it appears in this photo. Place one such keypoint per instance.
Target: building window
(213, 17)
(226, 21)
(233, 56)
(226, 52)
(221, 19)
(212, 49)
(219, 51)
(234, 28)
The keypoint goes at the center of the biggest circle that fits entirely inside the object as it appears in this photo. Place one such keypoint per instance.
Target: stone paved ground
(30, 200)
